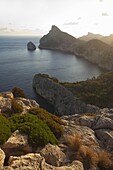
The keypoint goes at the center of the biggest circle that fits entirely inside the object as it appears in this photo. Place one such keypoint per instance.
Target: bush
(5, 131)
(51, 120)
(16, 107)
(38, 132)
(18, 92)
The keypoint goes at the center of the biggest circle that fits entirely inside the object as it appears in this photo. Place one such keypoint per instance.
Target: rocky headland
(63, 100)
(86, 142)
(94, 50)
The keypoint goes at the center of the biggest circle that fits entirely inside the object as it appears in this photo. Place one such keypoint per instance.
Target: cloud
(3, 29)
(79, 18)
(104, 14)
(71, 23)
(100, 0)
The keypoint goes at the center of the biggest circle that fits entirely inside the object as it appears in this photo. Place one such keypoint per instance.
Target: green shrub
(38, 132)
(18, 92)
(16, 107)
(51, 120)
(5, 131)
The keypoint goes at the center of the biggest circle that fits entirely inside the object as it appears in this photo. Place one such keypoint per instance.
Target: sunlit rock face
(31, 46)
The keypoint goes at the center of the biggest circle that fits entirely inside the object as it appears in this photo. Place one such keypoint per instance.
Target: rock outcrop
(31, 46)
(2, 158)
(37, 162)
(65, 103)
(53, 155)
(17, 144)
(6, 102)
(94, 51)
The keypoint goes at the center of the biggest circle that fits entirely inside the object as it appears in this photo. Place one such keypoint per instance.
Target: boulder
(17, 144)
(106, 137)
(5, 101)
(2, 157)
(31, 46)
(103, 123)
(53, 155)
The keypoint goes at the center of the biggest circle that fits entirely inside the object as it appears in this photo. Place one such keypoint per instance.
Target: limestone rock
(104, 123)
(37, 162)
(106, 137)
(65, 103)
(2, 157)
(31, 46)
(27, 103)
(17, 144)
(5, 101)
(75, 165)
(27, 162)
(53, 155)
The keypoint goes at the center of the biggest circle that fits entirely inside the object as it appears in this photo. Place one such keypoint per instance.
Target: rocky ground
(87, 143)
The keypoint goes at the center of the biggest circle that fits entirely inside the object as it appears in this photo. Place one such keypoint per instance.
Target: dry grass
(87, 155)
(74, 142)
(104, 161)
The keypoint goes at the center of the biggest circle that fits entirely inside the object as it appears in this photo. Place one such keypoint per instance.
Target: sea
(18, 65)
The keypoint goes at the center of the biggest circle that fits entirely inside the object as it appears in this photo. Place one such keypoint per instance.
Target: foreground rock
(37, 162)
(53, 155)
(6, 102)
(2, 157)
(65, 103)
(17, 144)
(94, 50)
(31, 46)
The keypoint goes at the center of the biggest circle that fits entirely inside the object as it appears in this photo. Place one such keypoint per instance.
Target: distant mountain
(91, 36)
(58, 40)
(106, 39)
(94, 50)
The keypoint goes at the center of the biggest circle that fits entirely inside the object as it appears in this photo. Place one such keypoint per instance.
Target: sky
(76, 17)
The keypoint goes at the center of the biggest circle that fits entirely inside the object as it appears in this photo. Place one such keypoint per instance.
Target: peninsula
(94, 50)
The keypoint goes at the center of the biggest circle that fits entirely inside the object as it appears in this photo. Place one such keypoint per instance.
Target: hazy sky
(76, 17)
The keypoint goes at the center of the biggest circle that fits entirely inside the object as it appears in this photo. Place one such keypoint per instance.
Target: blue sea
(18, 65)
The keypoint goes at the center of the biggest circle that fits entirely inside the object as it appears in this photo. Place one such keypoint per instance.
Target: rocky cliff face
(65, 103)
(95, 51)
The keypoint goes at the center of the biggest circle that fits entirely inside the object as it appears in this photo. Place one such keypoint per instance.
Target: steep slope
(106, 39)
(97, 52)
(91, 36)
(58, 40)
(94, 51)
(97, 91)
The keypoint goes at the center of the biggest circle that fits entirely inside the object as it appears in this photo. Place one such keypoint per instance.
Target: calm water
(18, 66)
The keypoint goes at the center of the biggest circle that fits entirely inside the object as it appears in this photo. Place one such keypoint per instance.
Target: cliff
(94, 51)
(65, 103)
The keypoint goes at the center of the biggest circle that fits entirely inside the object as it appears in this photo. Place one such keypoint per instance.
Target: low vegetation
(51, 120)
(16, 107)
(5, 130)
(97, 91)
(18, 92)
(38, 132)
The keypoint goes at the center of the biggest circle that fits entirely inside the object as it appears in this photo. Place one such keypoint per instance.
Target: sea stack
(31, 46)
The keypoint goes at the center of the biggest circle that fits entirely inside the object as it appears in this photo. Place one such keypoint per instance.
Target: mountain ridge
(95, 51)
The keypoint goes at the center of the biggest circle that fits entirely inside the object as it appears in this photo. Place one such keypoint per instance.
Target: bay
(18, 65)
